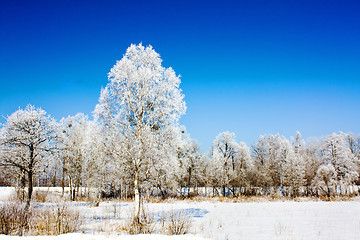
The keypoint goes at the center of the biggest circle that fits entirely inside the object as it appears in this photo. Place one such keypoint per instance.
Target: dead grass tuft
(55, 221)
(144, 225)
(40, 196)
(176, 223)
(13, 219)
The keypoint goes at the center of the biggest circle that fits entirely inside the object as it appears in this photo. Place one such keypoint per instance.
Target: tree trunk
(30, 189)
(63, 183)
(328, 192)
(22, 185)
(137, 197)
(189, 179)
(72, 189)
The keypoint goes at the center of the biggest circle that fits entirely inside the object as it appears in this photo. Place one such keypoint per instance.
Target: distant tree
(27, 142)
(295, 164)
(270, 154)
(244, 166)
(260, 155)
(336, 152)
(190, 162)
(73, 130)
(325, 178)
(312, 161)
(141, 101)
(164, 168)
(224, 159)
(354, 146)
(8, 176)
(99, 171)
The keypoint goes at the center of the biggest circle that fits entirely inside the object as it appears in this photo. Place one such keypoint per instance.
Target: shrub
(144, 225)
(59, 220)
(14, 219)
(40, 196)
(176, 223)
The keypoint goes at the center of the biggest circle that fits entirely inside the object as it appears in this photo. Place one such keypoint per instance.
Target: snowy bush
(145, 223)
(54, 221)
(176, 223)
(13, 219)
(16, 219)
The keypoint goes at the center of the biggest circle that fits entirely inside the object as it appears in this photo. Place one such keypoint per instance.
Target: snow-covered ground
(228, 220)
(272, 220)
(80, 236)
(6, 193)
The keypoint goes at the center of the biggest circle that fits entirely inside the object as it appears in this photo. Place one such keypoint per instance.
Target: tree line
(135, 144)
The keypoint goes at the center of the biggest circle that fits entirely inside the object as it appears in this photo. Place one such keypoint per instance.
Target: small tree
(190, 161)
(325, 178)
(74, 138)
(312, 161)
(245, 166)
(27, 142)
(270, 154)
(294, 164)
(354, 146)
(224, 159)
(335, 151)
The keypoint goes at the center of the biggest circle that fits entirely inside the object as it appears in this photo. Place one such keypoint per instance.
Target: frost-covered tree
(230, 163)
(325, 178)
(353, 143)
(27, 142)
(312, 161)
(73, 130)
(190, 162)
(164, 168)
(244, 167)
(270, 154)
(224, 161)
(335, 151)
(139, 104)
(295, 165)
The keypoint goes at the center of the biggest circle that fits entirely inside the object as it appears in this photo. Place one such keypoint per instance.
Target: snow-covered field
(6, 193)
(228, 220)
(80, 236)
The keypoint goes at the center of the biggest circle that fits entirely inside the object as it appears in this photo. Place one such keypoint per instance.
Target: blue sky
(250, 67)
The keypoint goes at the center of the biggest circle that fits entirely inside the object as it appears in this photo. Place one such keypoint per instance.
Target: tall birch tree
(140, 102)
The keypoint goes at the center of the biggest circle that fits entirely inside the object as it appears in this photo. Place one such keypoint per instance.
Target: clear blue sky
(251, 67)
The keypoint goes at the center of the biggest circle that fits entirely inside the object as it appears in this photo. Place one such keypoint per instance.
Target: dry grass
(161, 200)
(40, 196)
(257, 199)
(145, 224)
(55, 221)
(172, 223)
(176, 223)
(13, 219)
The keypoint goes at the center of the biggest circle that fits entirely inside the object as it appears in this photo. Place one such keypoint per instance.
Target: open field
(222, 220)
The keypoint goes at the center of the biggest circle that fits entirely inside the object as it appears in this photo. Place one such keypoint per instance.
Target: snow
(225, 220)
(273, 220)
(6, 193)
(80, 236)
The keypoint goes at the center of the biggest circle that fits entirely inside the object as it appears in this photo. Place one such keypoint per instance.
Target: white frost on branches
(140, 107)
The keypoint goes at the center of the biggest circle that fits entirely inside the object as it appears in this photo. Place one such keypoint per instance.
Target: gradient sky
(250, 67)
